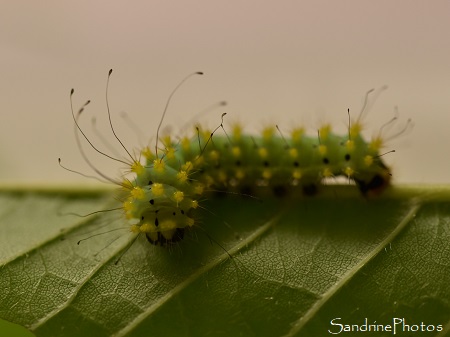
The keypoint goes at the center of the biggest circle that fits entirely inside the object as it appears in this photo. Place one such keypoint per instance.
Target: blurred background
(286, 62)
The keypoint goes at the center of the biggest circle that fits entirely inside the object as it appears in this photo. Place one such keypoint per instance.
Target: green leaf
(271, 267)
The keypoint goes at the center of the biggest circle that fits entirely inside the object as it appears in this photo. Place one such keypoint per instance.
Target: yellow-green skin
(165, 192)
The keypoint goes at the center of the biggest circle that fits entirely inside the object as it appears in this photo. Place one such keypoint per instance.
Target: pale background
(275, 62)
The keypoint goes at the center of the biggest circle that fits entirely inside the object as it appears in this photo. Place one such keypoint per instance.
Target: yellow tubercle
(127, 184)
(327, 172)
(137, 168)
(194, 204)
(236, 151)
(129, 216)
(348, 171)
(188, 166)
(182, 176)
(168, 234)
(267, 133)
(293, 153)
(159, 165)
(166, 141)
(263, 153)
(267, 174)
(190, 222)
(297, 134)
(355, 129)
(199, 188)
(135, 229)
(157, 189)
(147, 153)
(240, 174)
(222, 176)
(324, 131)
(368, 160)
(208, 180)
(237, 131)
(167, 225)
(297, 174)
(376, 144)
(147, 228)
(350, 145)
(169, 152)
(138, 193)
(199, 160)
(185, 144)
(178, 196)
(205, 135)
(213, 155)
(129, 201)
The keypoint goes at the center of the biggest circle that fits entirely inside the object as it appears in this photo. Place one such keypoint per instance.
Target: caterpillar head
(161, 199)
(160, 211)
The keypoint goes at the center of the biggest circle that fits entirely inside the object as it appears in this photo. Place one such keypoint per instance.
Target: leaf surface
(271, 267)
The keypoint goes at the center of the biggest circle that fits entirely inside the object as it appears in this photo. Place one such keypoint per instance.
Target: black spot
(310, 190)
(156, 222)
(296, 164)
(182, 212)
(152, 201)
(326, 160)
(142, 217)
(238, 163)
(377, 182)
(347, 157)
(174, 213)
(280, 191)
(266, 163)
(150, 182)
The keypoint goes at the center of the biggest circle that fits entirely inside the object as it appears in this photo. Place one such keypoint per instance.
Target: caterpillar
(162, 197)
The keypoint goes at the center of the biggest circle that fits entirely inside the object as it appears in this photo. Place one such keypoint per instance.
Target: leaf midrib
(310, 314)
(199, 272)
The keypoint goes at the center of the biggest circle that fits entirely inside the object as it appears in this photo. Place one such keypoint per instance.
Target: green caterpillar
(167, 187)
(161, 199)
